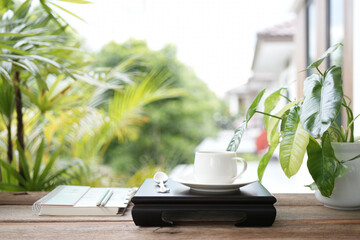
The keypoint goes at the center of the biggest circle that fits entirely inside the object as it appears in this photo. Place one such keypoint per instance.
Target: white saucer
(213, 188)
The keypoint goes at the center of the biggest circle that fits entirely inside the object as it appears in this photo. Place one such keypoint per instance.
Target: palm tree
(82, 116)
(27, 47)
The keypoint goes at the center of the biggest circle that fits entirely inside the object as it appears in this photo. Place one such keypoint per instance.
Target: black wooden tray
(252, 205)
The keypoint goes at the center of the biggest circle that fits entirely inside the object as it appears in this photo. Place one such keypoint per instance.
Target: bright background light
(215, 37)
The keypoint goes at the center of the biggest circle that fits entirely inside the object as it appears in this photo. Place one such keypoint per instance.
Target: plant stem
(350, 118)
(352, 131)
(286, 98)
(319, 71)
(268, 114)
(349, 99)
(19, 116)
(339, 131)
(351, 159)
(351, 126)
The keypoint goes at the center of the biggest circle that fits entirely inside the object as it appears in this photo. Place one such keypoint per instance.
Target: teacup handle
(244, 167)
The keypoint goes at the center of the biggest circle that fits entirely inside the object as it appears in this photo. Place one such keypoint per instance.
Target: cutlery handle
(162, 187)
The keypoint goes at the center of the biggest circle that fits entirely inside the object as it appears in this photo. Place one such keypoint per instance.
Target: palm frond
(5, 74)
(7, 101)
(23, 10)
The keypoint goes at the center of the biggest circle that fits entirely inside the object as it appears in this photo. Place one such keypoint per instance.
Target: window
(311, 33)
(335, 29)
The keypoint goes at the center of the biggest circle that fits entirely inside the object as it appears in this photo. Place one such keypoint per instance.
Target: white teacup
(217, 167)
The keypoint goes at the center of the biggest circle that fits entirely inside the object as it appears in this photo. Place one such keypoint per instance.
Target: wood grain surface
(299, 216)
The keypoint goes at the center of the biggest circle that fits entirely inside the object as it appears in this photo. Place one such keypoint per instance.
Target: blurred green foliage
(33, 49)
(175, 126)
(70, 111)
(111, 120)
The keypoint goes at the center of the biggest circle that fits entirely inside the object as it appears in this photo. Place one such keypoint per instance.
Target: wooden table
(299, 216)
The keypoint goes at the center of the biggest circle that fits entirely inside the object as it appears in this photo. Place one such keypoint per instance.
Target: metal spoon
(161, 178)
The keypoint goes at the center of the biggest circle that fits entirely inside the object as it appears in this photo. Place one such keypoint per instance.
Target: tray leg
(261, 216)
(149, 217)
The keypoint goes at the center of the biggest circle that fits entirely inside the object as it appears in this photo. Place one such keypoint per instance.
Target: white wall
(356, 67)
(233, 104)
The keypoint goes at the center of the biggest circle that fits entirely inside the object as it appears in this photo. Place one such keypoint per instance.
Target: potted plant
(308, 125)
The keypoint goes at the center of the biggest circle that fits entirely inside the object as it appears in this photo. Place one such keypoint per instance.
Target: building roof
(280, 31)
(273, 48)
(255, 82)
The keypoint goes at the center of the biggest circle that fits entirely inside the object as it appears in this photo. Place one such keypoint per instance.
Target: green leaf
(11, 187)
(14, 50)
(283, 121)
(7, 57)
(322, 164)
(23, 162)
(270, 104)
(5, 74)
(34, 70)
(13, 172)
(16, 63)
(49, 165)
(51, 15)
(252, 109)
(10, 34)
(38, 161)
(294, 143)
(67, 11)
(267, 156)
(46, 60)
(274, 122)
(56, 175)
(96, 82)
(6, 5)
(340, 170)
(322, 101)
(312, 186)
(236, 139)
(8, 42)
(23, 10)
(76, 1)
(7, 101)
(42, 21)
(335, 134)
(317, 63)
